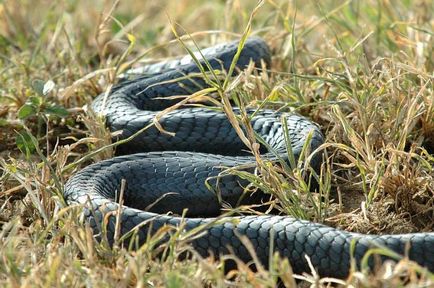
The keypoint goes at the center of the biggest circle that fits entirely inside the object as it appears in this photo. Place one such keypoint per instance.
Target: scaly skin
(213, 144)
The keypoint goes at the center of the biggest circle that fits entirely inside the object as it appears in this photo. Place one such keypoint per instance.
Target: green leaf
(38, 86)
(3, 122)
(36, 101)
(25, 144)
(26, 110)
(56, 110)
(12, 168)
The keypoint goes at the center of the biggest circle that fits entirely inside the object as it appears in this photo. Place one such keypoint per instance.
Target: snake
(164, 175)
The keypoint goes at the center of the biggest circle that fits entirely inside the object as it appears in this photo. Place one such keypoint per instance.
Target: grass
(363, 70)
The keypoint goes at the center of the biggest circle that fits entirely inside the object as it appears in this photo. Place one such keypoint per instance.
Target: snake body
(205, 141)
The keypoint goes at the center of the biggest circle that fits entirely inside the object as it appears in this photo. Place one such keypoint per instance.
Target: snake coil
(205, 141)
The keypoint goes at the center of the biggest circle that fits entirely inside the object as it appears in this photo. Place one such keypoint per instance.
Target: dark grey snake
(193, 155)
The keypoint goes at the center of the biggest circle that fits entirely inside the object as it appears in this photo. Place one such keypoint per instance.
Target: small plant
(39, 105)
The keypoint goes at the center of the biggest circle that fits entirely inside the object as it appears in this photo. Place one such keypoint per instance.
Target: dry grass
(363, 70)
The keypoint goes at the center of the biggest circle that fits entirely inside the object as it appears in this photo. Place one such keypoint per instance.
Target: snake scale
(205, 141)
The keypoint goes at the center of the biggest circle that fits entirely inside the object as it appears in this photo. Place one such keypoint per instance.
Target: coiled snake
(194, 154)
